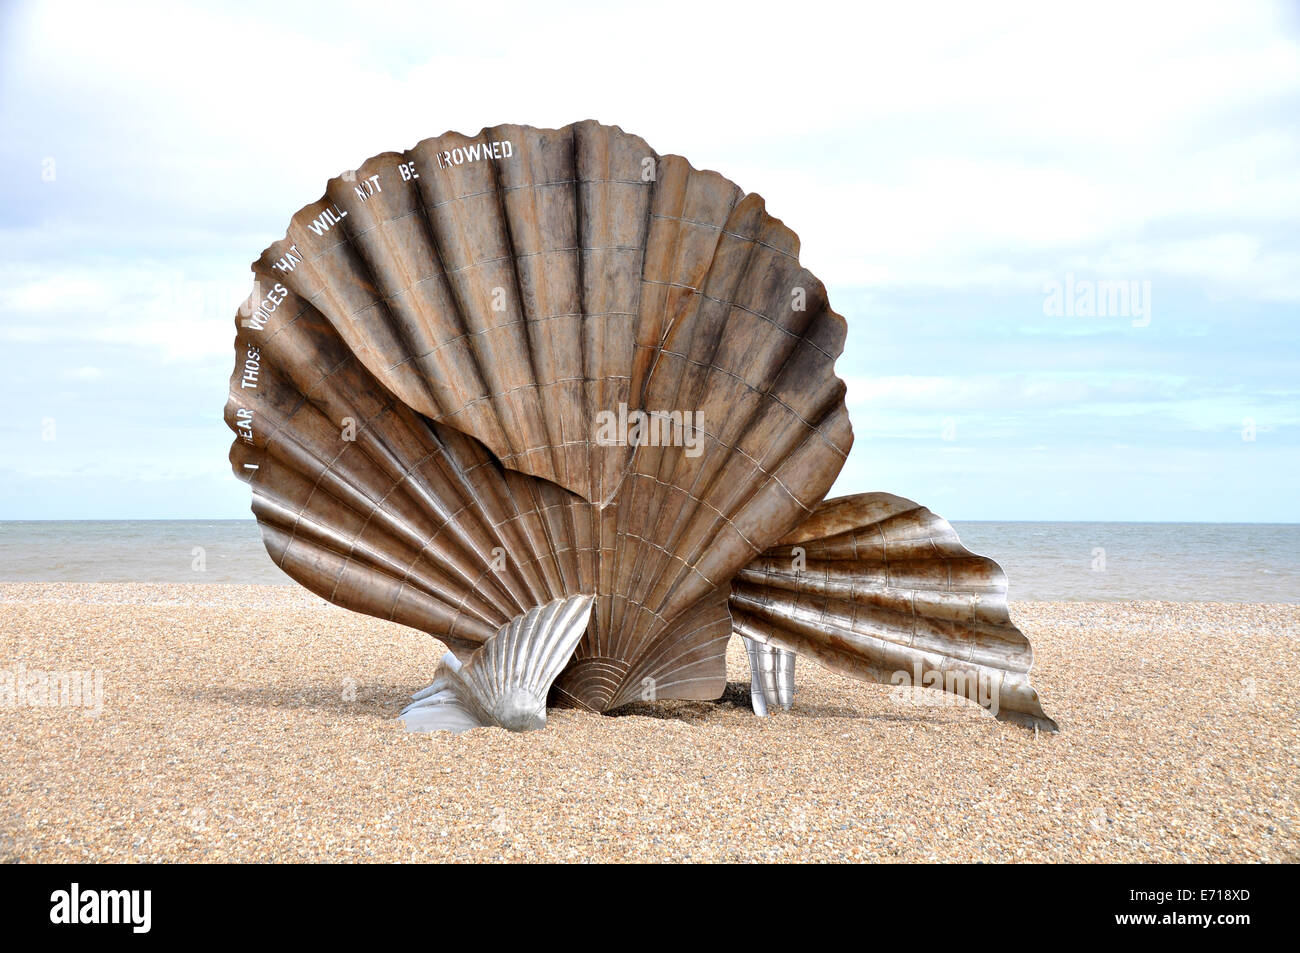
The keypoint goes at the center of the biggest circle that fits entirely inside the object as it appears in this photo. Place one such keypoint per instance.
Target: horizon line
(251, 519)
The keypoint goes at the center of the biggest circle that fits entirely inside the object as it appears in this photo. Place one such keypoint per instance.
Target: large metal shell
(879, 587)
(421, 367)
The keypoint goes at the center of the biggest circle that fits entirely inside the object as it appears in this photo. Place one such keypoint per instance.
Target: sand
(245, 723)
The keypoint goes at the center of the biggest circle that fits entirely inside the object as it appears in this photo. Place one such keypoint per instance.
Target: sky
(966, 179)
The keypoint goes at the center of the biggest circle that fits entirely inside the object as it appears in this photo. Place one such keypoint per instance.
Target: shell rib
(406, 520)
(506, 680)
(880, 588)
(474, 306)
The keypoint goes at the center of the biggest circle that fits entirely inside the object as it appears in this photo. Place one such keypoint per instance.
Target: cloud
(1005, 391)
(939, 167)
(162, 313)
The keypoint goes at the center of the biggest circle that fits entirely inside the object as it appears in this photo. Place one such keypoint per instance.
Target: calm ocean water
(1185, 562)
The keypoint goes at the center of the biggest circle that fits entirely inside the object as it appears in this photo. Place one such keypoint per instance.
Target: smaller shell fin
(880, 588)
(505, 682)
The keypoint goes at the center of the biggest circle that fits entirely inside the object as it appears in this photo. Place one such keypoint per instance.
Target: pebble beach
(256, 723)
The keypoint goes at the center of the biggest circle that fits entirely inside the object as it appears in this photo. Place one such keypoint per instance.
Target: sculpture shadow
(383, 701)
(735, 697)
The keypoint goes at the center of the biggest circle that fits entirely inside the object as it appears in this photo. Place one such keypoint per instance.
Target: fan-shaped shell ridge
(881, 588)
(480, 308)
(377, 508)
(505, 681)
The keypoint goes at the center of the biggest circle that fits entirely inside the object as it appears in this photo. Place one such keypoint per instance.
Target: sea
(1084, 562)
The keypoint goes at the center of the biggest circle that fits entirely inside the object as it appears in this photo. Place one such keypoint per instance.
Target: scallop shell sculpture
(534, 368)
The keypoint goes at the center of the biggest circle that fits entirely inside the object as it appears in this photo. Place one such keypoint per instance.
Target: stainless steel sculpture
(532, 367)
(880, 588)
(507, 678)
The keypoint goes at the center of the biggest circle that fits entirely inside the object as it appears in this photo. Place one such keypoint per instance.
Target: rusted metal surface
(880, 588)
